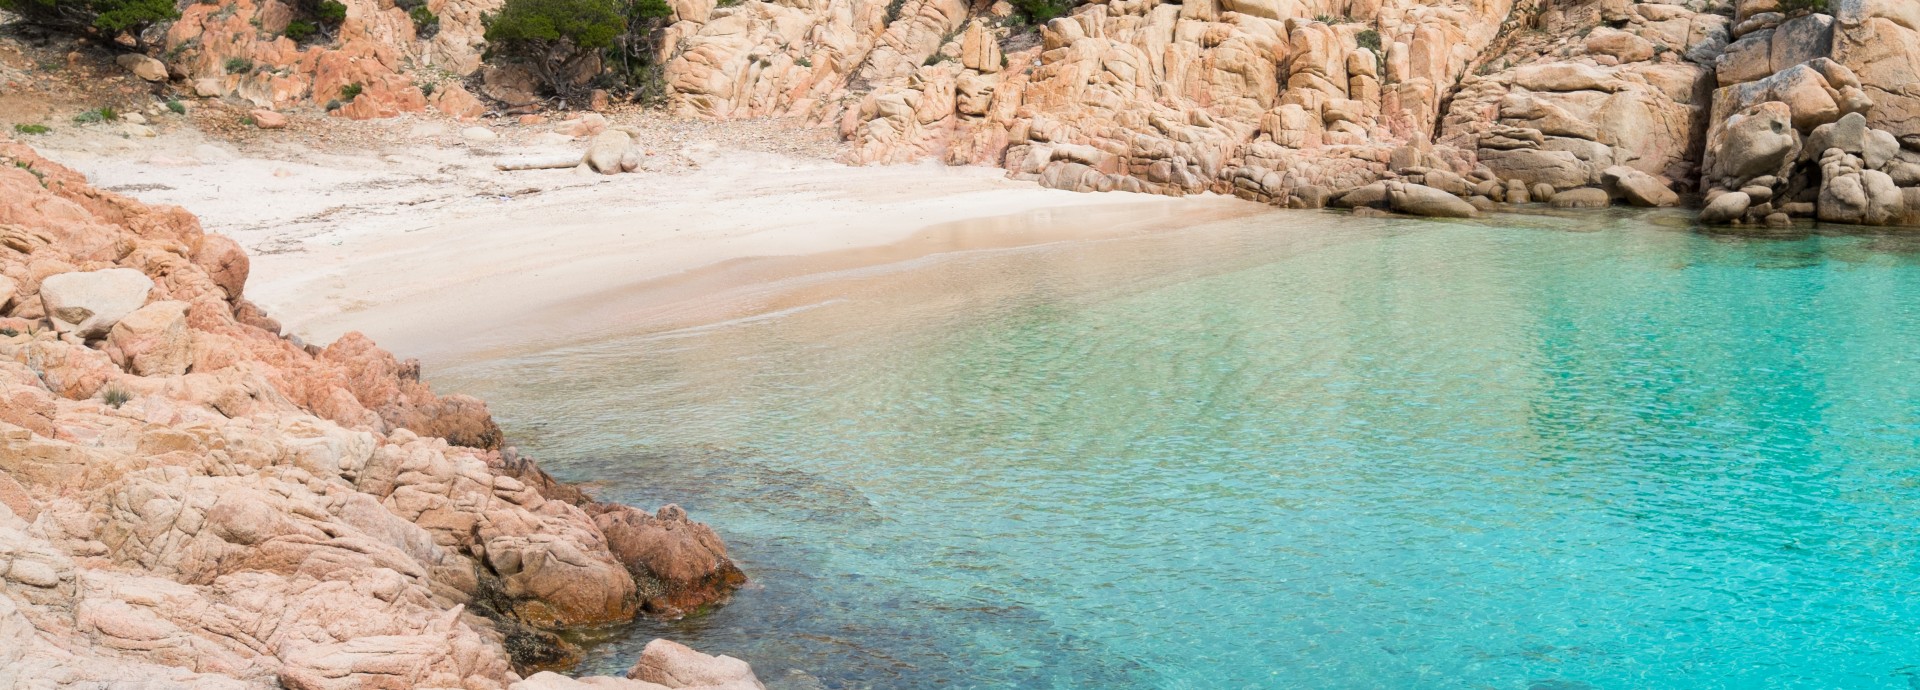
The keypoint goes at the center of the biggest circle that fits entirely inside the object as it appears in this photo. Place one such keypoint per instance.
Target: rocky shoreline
(190, 499)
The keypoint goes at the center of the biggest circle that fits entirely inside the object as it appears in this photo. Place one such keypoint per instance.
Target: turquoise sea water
(1297, 450)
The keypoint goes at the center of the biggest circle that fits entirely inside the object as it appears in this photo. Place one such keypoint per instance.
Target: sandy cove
(433, 253)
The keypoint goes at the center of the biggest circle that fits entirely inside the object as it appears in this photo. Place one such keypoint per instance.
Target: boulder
(1421, 200)
(1517, 192)
(608, 150)
(1623, 46)
(1369, 196)
(1800, 39)
(1639, 188)
(1584, 197)
(1542, 193)
(1726, 208)
(267, 119)
(89, 304)
(143, 67)
(676, 665)
(1558, 169)
(1849, 194)
(153, 340)
(1756, 141)
(1565, 76)
(685, 561)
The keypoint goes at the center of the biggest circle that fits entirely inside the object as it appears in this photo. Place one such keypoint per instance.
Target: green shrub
(239, 65)
(426, 90)
(1792, 6)
(32, 129)
(330, 12)
(544, 35)
(1368, 39)
(350, 92)
(102, 114)
(425, 22)
(8, 332)
(300, 30)
(177, 107)
(1040, 11)
(803, 62)
(100, 18)
(115, 396)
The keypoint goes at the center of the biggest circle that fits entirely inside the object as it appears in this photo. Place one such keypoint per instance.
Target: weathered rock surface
(87, 304)
(190, 500)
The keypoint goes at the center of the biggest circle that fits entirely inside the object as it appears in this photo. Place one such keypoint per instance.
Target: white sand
(436, 255)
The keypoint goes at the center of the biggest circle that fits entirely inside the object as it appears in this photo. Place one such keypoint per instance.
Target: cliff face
(188, 499)
(1296, 101)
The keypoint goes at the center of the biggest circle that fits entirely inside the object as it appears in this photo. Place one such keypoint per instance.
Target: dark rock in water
(1584, 197)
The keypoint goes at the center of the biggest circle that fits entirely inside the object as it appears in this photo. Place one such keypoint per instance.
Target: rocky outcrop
(1651, 102)
(375, 64)
(1809, 116)
(188, 499)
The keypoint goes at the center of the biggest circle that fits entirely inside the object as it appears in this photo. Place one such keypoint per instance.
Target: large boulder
(682, 565)
(1559, 169)
(1639, 188)
(676, 665)
(88, 304)
(153, 340)
(1850, 194)
(1726, 208)
(1756, 141)
(1421, 200)
(608, 150)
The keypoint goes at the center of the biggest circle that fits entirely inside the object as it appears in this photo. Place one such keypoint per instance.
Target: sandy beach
(423, 245)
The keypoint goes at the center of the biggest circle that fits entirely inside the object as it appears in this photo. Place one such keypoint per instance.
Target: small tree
(545, 35)
(99, 18)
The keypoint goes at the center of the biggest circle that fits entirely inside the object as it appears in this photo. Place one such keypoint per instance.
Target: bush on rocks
(100, 18)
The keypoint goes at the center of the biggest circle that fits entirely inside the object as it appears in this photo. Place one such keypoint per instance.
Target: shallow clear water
(1300, 450)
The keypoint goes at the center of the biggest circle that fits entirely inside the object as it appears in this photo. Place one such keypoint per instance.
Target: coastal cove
(1599, 449)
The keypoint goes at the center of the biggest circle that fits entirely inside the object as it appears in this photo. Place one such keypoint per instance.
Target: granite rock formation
(189, 499)
(1296, 102)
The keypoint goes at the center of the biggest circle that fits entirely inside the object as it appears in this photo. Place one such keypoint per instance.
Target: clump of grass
(8, 332)
(350, 92)
(426, 89)
(32, 129)
(115, 396)
(101, 114)
(239, 65)
(176, 106)
(248, 121)
(803, 62)
(1792, 6)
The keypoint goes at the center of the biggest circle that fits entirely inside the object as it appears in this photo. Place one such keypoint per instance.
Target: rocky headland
(190, 499)
(1761, 111)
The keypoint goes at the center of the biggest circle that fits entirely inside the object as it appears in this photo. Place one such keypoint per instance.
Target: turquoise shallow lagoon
(1294, 450)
